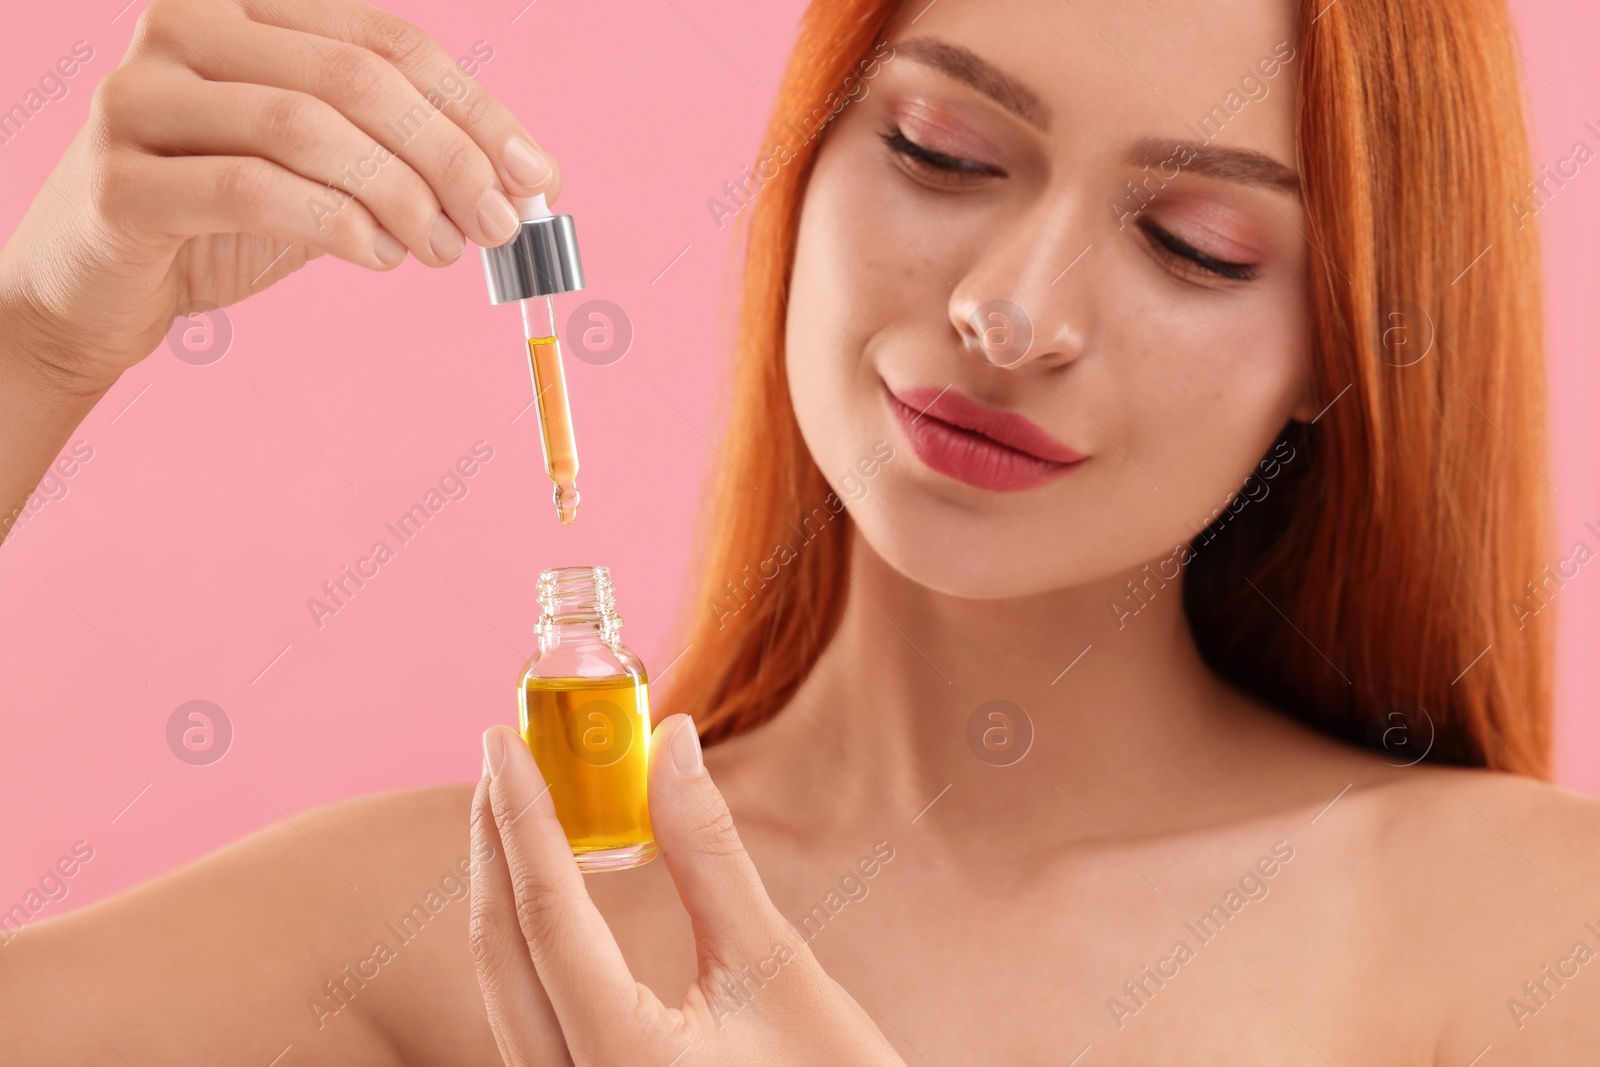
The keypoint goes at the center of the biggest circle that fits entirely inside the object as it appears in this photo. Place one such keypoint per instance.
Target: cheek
(1235, 370)
(850, 290)
(1205, 388)
(816, 336)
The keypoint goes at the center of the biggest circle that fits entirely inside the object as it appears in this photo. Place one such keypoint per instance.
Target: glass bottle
(585, 714)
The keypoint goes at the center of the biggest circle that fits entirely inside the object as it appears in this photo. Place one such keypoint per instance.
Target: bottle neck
(577, 602)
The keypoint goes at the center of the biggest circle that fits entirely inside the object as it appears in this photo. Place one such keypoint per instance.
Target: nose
(1025, 300)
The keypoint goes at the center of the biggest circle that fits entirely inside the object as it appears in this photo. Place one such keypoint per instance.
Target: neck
(1123, 714)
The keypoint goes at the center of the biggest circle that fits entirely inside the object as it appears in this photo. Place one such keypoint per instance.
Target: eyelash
(955, 169)
(1186, 257)
(952, 168)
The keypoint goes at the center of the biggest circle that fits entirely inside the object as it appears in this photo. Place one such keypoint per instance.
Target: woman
(1155, 699)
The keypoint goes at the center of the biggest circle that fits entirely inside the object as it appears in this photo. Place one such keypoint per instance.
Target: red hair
(1396, 551)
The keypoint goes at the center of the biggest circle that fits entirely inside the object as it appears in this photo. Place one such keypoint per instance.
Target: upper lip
(1004, 427)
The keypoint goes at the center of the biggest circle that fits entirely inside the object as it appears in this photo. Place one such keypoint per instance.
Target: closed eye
(1184, 256)
(922, 159)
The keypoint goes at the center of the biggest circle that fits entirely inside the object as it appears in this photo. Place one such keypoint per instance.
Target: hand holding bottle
(236, 141)
(554, 981)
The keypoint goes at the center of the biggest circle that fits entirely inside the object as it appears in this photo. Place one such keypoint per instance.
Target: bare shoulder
(1497, 880)
(1431, 811)
(1487, 831)
(315, 933)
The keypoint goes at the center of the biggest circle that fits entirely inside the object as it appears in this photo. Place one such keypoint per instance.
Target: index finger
(520, 1013)
(523, 168)
(578, 960)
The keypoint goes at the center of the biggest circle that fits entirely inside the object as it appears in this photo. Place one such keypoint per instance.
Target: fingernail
(496, 215)
(686, 749)
(388, 250)
(445, 240)
(526, 164)
(494, 752)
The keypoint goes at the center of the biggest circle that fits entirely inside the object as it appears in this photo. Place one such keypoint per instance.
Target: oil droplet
(566, 497)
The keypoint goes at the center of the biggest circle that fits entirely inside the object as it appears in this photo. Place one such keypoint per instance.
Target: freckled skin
(1020, 899)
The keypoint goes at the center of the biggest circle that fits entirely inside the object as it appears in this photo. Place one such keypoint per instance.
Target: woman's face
(1053, 255)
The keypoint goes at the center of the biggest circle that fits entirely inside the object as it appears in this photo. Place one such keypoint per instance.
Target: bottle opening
(578, 596)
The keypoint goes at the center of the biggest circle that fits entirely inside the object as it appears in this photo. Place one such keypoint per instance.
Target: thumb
(735, 922)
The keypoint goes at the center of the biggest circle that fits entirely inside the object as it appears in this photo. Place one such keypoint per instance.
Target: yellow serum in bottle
(585, 714)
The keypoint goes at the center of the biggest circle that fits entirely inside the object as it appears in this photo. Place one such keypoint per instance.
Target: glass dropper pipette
(555, 415)
(540, 261)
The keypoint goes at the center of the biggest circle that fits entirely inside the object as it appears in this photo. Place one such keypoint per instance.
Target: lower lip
(972, 458)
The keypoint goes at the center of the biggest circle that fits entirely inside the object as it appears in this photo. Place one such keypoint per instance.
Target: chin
(966, 550)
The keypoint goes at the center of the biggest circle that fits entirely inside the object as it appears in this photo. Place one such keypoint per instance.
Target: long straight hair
(1380, 591)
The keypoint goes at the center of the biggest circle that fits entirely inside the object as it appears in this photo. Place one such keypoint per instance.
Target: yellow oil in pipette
(555, 415)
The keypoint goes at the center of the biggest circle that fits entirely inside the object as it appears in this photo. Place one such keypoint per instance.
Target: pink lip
(978, 445)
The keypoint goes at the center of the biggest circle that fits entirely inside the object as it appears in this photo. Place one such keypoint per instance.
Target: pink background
(219, 498)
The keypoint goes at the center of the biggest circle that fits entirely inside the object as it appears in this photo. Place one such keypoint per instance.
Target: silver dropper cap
(541, 260)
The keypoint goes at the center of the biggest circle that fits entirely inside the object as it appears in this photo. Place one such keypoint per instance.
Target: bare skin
(1382, 913)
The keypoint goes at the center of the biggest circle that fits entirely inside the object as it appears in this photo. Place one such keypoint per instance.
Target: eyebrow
(1229, 164)
(971, 69)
